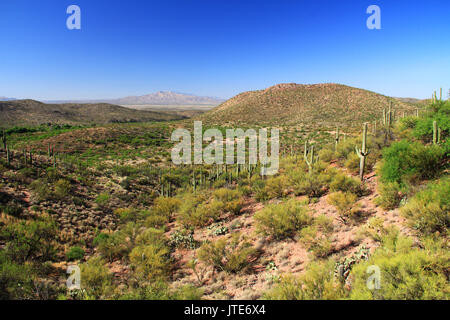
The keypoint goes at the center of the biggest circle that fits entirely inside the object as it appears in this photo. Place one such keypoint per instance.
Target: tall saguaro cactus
(336, 139)
(310, 162)
(362, 153)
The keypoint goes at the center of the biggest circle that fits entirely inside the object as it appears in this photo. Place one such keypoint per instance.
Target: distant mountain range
(157, 98)
(6, 99)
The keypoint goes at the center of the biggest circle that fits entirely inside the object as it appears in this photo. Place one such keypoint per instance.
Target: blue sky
(220, 47)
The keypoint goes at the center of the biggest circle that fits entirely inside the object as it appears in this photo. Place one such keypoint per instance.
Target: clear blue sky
(220, 47)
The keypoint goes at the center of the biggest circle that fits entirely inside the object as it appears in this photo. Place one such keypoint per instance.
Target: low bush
(406, 161)
(227, 200)
(276, 187)
(96, 278)
(282, 220)
(429, 210)
(30, 240)
(344, 203)
(75, 253)
(407, 272)
(311, 185)
(343, 183)
(326, 155)
(231, 254)
(16, 279)
(41, 189)
(195, 211)
(62, 189)
(111, 246)
(390, 195)
(317, 283)
(151, 260)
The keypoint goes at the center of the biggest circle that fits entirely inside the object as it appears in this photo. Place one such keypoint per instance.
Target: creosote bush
(343, 183)
(344, 203)
(96, 278)
(407, 272)
(429, 210)
(276, 186)
(231, 254)
(317, 283)
(390, 195)
(282, 220)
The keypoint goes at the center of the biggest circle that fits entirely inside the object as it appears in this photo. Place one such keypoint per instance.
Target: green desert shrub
(231, 254)
(344, 203)
(111, 246)
(406, 161)
(282, 220)
(318, 244)
(152, 261)
(30, 240)
(225, 195)
(75, 253)
(429, 210)
(41, 189)
(311, 185)
(423, 128)
(227, 200)
(343, 183)
(103, 200)
(276, 186)
(16, 279)
(317, 283)
(326, 155)
(127, 215)
(195, 211)
(62, 189)
(156, 220)
(344, 148)
(95, 278)
(406, 272)
(166, 206)
(352, 162)
(390, 195)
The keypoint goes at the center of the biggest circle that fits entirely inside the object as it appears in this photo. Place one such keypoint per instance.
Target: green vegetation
(282, 220)
(231, 255)
(108, 199)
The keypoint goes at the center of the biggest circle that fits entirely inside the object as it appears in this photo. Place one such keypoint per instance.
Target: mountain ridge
(32, 112)
(156, 98)
(325, 104)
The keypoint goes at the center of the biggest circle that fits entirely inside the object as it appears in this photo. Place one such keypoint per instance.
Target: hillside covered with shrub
(141, 228)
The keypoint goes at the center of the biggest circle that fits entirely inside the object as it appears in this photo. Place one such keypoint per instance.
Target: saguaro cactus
(436, 133)
(310, 162)
(194, 182)
(362, 153)
(336, 139)
(8, 156)
(4, 139)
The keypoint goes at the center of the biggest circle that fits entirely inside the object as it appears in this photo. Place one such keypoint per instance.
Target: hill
(31, 112)
(289, 104)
